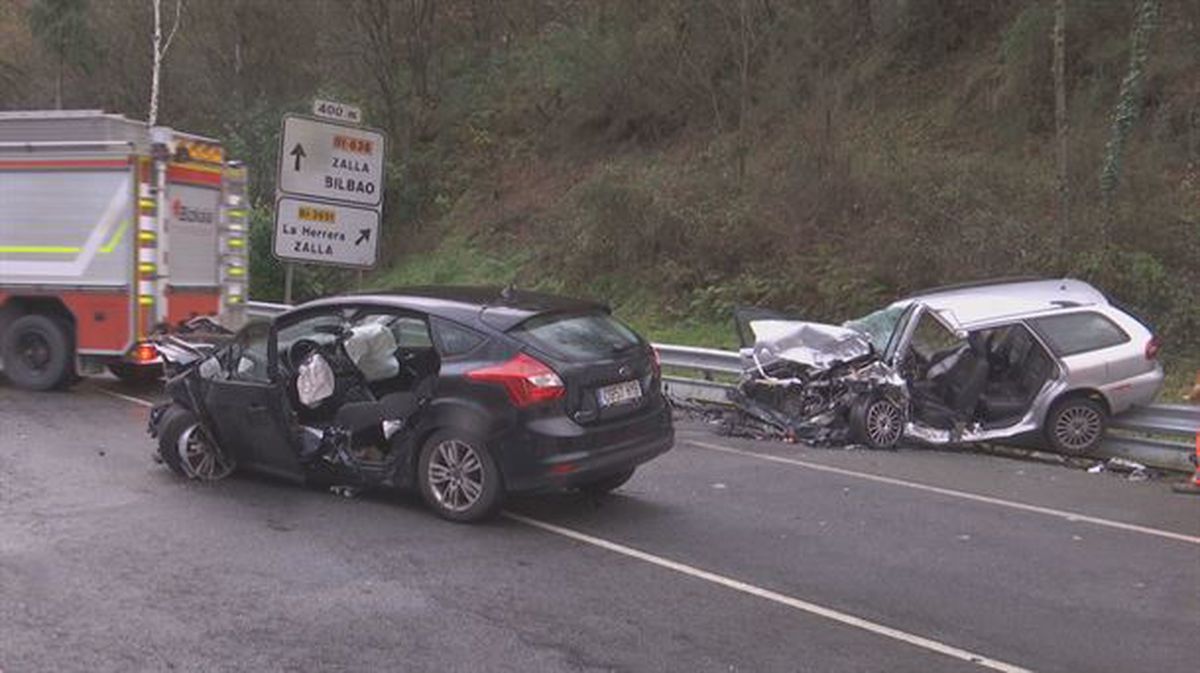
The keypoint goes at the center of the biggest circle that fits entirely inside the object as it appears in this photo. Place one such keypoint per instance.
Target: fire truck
(112, 231)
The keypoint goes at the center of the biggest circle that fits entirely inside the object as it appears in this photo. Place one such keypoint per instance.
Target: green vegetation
(681, 157)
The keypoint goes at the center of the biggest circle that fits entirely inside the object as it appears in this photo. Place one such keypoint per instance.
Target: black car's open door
(250, 411)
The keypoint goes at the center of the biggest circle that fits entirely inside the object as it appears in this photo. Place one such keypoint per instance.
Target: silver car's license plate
(617, 393)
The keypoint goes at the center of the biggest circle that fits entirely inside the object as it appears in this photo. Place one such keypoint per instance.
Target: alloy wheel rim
(200, 458)
(455, 475)
(1077, 427)
(883, 423)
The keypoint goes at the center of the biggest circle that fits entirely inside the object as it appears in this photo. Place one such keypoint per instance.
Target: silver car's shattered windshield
(879, 325)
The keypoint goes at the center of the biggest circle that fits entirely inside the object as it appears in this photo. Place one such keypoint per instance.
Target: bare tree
(62, 28)
(1128, 106)
(160, 52)
(1060, 114)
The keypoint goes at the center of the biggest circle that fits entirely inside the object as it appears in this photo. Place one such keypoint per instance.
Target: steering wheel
(299, 351)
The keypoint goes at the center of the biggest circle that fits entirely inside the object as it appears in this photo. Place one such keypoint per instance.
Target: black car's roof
(500, 308)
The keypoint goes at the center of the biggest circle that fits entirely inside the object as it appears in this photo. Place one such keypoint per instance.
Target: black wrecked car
(464, 393)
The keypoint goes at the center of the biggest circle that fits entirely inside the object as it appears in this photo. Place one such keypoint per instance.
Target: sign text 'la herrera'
(326, 233)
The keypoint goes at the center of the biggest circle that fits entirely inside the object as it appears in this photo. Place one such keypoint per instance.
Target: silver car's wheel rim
(200, 458)
(884, 423)
(455, 475)
(1077, 428)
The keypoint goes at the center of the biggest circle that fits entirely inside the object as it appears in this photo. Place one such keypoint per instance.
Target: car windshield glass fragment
(879, 325)
(577, 338)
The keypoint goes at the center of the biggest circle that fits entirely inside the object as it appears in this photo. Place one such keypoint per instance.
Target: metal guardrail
(264, 309)
(1170, 427)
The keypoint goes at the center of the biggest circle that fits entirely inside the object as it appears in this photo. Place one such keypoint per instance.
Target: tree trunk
(1126, 111)
(1060, 118)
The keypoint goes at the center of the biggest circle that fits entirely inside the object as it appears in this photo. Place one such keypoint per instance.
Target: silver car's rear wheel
(199, 456)
(1075, 426)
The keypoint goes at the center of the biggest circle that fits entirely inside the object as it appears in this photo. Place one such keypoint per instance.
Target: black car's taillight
(527, 380)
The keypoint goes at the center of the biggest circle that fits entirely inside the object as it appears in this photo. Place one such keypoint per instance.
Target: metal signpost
(329, 191)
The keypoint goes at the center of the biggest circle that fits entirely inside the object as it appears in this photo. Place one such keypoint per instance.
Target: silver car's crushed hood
(811, 344)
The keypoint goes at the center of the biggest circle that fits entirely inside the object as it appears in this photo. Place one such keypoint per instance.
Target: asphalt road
(723, 555)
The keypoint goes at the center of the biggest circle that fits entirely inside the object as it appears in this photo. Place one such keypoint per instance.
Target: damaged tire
(187, 449)
(458, 478)
(1075, 426)
(876, 422)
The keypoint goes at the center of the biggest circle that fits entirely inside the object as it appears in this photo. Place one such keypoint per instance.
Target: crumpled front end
(801, 380)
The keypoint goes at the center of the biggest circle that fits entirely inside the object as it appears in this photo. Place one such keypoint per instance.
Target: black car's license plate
(617, 393)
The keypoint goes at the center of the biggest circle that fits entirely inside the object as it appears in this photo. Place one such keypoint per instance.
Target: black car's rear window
(577, 337)
(1079, 332)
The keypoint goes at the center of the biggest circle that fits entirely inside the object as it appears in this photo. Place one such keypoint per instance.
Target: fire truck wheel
(37, 352)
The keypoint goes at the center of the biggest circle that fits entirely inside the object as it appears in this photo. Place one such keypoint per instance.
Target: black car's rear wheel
(608, 484)
(458, 478)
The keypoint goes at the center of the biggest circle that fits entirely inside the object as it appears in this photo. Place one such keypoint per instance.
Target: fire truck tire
(37, 352)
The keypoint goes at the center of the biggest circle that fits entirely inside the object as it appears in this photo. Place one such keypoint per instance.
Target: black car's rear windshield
(577, 337)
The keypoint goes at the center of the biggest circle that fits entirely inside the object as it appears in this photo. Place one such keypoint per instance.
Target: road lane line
(773, 596)
(1011, 504)
(127, 398)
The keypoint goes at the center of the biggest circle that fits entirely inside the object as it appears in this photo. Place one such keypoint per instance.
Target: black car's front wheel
(186, 448)
(458, 478)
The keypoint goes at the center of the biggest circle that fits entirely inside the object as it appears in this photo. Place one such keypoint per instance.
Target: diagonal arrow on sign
(363, 235)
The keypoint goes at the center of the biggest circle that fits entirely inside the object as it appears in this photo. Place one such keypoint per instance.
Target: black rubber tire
(860, 412)
(175, 420)
(492, 496)
(606, 485)
(1085, 407)
(55, 335)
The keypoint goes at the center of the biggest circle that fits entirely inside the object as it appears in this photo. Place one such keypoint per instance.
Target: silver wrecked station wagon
(976, 363)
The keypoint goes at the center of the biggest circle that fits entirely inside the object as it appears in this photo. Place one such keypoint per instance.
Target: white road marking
(773, 596)
(127, 398)
(1062, 514)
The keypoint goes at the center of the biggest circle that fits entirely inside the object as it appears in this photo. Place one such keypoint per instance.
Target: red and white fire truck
(111, 231)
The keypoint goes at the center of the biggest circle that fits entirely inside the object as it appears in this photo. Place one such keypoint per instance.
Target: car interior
(355, 378)
(990, 377)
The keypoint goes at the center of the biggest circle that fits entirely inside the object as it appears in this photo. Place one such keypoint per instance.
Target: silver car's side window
(1073, 333)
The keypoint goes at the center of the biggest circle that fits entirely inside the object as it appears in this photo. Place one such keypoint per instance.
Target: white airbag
(314, 381)
(372, 348)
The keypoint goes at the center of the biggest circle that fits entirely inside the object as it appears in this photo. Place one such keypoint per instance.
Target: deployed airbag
(314, 381)
(372, 348)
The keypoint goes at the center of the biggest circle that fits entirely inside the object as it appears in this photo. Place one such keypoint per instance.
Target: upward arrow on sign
(298, 152)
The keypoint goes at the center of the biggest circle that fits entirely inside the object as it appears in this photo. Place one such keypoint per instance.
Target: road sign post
(329, 194)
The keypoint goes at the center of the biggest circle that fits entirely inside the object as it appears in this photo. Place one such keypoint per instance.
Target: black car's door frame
(251, 415)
